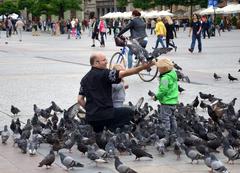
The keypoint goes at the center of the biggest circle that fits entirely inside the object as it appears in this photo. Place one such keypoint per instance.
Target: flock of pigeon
(197, 137)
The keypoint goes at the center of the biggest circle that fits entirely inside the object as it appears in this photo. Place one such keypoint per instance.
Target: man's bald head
(98, 59)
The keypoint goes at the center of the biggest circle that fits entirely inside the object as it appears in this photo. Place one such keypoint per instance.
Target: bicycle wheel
(117, 58)
(149, 74)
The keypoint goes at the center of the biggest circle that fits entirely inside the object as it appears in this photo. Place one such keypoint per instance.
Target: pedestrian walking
(195, 29)
(169, 32)
(102, 29)
(160, 31)
(19, 26)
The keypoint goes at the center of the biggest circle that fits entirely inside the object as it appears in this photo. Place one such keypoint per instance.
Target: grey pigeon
(229, 152)
(216, 77)
(192, 154)
(92, 155)
(177, 149)
(121, 168)
(56, 108)
(22, 144)
(36, 110)
(32, 148)
(138, 152)
(110, 148)
(5, 134)
(160, 146)
(48, 159)
(14, 110)
(69, 162)
(217, 165)
(231, 78)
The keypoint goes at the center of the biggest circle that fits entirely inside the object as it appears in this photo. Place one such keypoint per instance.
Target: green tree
(58, 7)
(122, 3)
(8, 7)
(143, 4)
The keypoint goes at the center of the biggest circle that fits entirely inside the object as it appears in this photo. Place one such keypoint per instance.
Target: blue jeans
(159, 39)
(130, 54)
(198, 38)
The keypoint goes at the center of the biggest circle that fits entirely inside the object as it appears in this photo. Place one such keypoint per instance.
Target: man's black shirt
(96, 86)
(195, 27)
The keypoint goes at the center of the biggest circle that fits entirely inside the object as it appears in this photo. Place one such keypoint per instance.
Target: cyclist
(137, 27)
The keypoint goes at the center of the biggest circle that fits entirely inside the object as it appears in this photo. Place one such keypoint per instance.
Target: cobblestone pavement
(45, 68)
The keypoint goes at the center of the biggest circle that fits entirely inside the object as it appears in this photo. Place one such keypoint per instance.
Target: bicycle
(141, 55)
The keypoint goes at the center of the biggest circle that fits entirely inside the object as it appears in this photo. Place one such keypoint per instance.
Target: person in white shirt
(19, 26)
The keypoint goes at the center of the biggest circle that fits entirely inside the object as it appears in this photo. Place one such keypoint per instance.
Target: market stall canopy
(128, 15)
(13, 16)
(210, 10)
(232, 8)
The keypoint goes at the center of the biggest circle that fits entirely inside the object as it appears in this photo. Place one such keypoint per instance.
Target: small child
(118, 90)
(167, 94)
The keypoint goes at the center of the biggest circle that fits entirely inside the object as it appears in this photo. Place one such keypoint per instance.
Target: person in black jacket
(137, 28)
(95, 94)
(169, 35)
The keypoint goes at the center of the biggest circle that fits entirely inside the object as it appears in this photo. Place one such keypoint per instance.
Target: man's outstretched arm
(81, 101)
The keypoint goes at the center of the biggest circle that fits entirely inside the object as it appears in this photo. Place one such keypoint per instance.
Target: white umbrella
(106, 16)
(232, 8)
(127, 15)
(151, 14)
(164, 13)
(210, 10)
(14, 16)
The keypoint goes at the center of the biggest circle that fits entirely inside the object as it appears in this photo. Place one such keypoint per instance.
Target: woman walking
(169, 35)
(102, 29)
(160, 31)
(195, 28)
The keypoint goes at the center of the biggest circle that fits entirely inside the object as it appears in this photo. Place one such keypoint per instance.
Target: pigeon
(195, 102)
(177, 149)
(231, 78)
(36, 109)
(217, 165)
(160, 146)
(180, 89)
(69, 162)
(229, 152)
(176, 66)
(121, 168)
(32, 149)
(192, 154)
(48, 159)
(56, 108)
(203, 105)
(92, 155)
(22, 144)
(138, 152)
(205, 96)
(14, 110)
(5, 134)
(216, 77)
(151, 94)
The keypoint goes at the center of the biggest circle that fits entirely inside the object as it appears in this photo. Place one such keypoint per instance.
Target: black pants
(170, 44)
(122, 116)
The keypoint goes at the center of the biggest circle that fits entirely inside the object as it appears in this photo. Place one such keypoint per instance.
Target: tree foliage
(143, 4)
(58, 7)
(122, 3)
(8, 7)
(48, 7)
